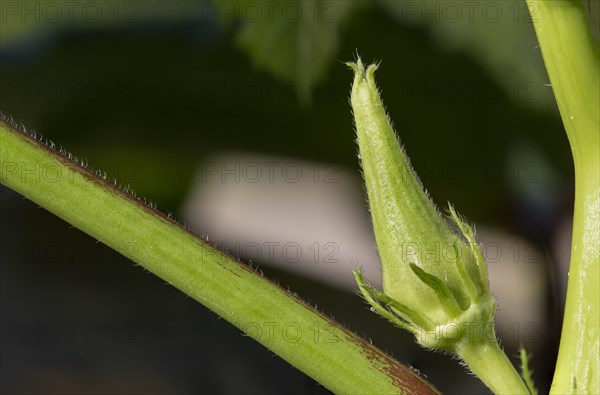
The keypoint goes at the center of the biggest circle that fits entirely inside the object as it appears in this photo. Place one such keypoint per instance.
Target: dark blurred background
(196, 104)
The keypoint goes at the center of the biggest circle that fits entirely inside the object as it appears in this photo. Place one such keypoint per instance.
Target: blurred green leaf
(27, 20)
(294, 40)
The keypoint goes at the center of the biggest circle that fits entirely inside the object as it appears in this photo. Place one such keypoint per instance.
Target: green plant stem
(313, 343)
(572, 59)
(488, 362)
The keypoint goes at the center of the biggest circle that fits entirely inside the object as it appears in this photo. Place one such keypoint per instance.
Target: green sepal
(402, 316)
(526, 371)
(442, 292)
(469, 234)
(467, 280)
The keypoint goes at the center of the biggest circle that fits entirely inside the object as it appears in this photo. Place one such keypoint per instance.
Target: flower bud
(434, 277)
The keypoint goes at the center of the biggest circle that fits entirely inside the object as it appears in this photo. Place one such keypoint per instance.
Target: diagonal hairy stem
(307, 339)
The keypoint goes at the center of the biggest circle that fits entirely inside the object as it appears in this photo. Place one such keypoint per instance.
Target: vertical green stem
(572, 59)
(488, 362)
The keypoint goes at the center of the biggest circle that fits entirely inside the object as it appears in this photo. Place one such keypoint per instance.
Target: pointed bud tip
(357, 66)
(360, 71)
